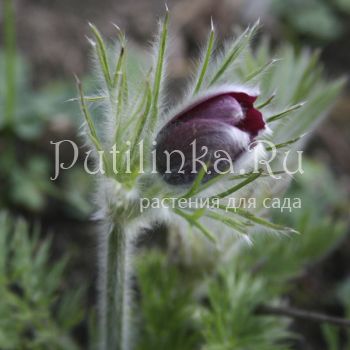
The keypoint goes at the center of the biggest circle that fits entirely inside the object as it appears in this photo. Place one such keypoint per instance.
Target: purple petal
(234, 108)
(253, 122)
(213, 134)
(244, 99)
(222, 108)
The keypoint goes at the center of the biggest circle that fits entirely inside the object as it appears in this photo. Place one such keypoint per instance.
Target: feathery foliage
(33, 312)
(167, 310)
(220, 310)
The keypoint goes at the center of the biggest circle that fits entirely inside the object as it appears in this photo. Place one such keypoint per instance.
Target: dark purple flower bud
(223, 124)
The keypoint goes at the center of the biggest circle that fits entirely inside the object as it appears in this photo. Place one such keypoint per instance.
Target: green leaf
(206, 60)
(284, 113)
(147, 101)
(159, 70)
(258, 220)
(197, 183)
(194, 222)
(237, 48)
(238, 226)
(237, 187)
(285, 144)
(102, 55)
(262, 69)
(267, 102)
(119, 64)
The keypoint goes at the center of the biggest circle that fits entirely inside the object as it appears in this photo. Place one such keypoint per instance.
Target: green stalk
(10, 53)
(114, 303)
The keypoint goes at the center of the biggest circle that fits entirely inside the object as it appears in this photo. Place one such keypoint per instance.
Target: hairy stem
(114, 303)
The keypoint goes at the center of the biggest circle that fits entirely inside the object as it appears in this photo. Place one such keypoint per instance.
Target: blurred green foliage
(319, 20)
(34, 311)
(25, 166)
(168, 307)
(219, 311)
(180, 308)
(33, 109)
(231, 322)
(25, 114)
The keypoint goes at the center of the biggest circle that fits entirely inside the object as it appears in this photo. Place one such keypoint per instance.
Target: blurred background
(42, 44)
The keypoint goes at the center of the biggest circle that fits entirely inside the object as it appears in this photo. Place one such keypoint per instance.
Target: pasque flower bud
(223, 123)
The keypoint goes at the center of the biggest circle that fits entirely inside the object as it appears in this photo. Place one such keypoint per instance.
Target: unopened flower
(221, 124)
